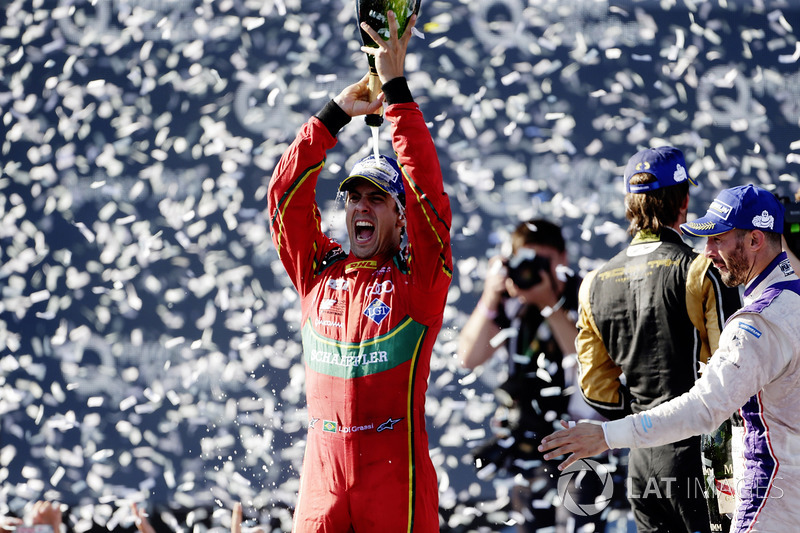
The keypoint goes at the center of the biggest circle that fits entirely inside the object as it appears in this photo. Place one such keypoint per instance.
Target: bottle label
(726, 495)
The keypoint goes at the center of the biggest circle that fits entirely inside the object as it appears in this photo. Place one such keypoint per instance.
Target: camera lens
(526, 267)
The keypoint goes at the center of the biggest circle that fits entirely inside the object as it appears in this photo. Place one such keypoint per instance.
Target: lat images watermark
(573, 475)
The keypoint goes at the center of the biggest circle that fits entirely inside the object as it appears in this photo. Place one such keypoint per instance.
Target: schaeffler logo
(573, 475)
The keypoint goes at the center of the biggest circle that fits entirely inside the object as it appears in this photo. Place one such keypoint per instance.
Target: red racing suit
(368, 331)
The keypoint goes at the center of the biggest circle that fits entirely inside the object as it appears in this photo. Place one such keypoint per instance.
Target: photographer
(531, 300)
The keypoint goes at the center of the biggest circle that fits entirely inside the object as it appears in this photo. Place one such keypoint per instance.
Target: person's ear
(685, 205)
(757, 239)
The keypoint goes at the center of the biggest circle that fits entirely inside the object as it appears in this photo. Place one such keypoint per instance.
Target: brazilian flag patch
(329, 426)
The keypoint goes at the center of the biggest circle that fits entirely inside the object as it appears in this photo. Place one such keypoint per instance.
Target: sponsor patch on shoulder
(647, 423)
(750, 329)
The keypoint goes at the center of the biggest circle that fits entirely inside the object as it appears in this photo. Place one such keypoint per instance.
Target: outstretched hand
(585, 439)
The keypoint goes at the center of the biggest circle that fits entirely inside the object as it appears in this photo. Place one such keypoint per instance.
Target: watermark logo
(574, 474)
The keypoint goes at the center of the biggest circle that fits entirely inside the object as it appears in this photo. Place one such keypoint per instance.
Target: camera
(525, 268)
(791, 224)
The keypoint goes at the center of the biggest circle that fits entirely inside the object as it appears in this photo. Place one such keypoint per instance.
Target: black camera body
(791, 225)
(525, 268)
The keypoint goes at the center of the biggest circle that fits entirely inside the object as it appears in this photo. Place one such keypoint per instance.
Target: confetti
(149, 337)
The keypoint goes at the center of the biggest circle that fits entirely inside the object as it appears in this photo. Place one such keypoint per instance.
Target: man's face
(728, 253)
(373, 220)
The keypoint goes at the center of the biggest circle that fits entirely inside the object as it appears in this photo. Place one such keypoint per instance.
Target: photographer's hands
(475, 341)
(544, 294)
(494, 285)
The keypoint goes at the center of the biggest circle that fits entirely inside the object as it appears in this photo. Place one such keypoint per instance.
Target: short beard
(737, 265)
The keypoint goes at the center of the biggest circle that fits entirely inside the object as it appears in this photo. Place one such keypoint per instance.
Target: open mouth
(364, 231)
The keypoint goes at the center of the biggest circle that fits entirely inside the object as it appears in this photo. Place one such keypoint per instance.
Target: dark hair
(654, 210)
(775, 240)
(537, 231)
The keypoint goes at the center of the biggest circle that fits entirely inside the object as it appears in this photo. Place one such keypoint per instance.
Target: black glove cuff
(333, 117)
(397, 91)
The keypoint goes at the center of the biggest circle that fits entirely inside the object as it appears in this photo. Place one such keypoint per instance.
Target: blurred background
(149, 337)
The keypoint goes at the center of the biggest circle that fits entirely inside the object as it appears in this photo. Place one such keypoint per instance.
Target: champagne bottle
(717, 461)
(374, 13)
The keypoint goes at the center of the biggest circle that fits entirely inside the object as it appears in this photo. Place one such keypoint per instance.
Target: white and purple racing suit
(757, 371)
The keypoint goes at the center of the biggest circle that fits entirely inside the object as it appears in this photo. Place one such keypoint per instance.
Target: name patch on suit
(332, 357)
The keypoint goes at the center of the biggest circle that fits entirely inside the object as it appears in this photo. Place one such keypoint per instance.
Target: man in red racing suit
(368, 327)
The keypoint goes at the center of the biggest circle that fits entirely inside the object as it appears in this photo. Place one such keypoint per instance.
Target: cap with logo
(383, 172)
(744, 207)
(665, 163)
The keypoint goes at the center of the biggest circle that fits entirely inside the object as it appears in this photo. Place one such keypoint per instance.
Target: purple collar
(766, 272)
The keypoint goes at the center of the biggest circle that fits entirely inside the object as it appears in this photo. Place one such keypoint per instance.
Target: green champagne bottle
(717, 461)
(373, 12)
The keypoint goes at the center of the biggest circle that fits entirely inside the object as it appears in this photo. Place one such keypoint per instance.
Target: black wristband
(397, 92)
(333, 117)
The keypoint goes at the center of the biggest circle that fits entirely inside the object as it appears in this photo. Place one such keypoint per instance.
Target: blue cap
(665, 163)
(744, 207)
(383, 172)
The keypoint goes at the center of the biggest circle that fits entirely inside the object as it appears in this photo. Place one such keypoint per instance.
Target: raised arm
(427, 205)
(390, 54)
(474, 341)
